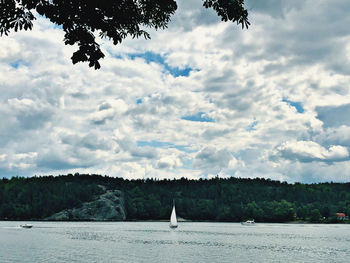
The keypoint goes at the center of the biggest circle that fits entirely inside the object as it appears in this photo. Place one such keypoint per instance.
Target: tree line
(217, 199)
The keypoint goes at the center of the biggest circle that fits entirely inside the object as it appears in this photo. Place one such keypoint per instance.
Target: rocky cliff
(107, 206)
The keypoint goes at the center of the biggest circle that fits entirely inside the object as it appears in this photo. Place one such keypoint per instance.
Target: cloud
(19, 161)
(102, 116)
(308, 151)
(90, 141)
(107, 110)
(212, 160)
(3, 157)
(200, 98)
(274, 8)
(335, 136)
(59, 161)
(200, 116)
(169, 162)
(212, 133)
(130, 146)
(334, 116)
(30, 114)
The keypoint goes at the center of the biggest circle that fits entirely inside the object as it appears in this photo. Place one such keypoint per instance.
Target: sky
(201, 98)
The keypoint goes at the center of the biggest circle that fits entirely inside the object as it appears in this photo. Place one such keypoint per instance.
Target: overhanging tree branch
(113, 19)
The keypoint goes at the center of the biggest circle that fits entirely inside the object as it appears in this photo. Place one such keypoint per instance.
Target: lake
(155, 242)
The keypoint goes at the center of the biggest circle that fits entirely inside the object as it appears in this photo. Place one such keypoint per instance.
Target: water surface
(155, 242)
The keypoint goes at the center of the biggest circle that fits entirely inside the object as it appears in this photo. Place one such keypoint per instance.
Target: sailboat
(173, 221)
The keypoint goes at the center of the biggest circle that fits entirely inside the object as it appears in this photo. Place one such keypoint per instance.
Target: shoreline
(185, 221)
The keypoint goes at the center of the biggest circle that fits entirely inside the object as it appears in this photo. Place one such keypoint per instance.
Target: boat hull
(247, 224)
(172, 226)
(26, 226)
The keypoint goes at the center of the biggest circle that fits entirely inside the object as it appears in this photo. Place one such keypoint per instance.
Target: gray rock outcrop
(108, 206)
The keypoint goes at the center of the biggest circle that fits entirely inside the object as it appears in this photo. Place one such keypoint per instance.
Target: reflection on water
(155, 242)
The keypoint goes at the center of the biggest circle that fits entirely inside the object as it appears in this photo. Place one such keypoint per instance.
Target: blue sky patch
(157, 58)
(155, 144)
(138, 101)
(16, 63)
(200, 116)
(252, 126)
(297, 105)
(187, 164)
(58, 27)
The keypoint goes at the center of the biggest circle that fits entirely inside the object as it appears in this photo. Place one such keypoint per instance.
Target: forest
(217, 199)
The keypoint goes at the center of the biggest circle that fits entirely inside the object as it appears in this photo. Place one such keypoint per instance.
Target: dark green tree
(231, 199)
(115, 20)
(315, 215)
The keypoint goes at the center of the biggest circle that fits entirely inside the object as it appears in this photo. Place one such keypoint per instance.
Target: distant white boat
(26, 226)
(248, 223)
(173, 220)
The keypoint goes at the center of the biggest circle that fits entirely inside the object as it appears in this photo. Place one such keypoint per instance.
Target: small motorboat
(26, 226)
(248, 223)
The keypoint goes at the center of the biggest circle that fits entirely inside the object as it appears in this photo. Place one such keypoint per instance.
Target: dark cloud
(190, 14)
(222, 82)
(100, 117)
(212, 160)
(104, 106)
(309, 151)
(89, 141)
(30, 114)
(213, 133)
(60, 157)
(335, 136)
(298, 33)
(273, 8)
(334, 116)
(53, 163)
(168, 162)
(80, 95)
(130, 147)
(163, 165)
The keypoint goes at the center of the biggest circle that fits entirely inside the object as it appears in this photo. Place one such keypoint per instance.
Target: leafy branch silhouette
(111, 19)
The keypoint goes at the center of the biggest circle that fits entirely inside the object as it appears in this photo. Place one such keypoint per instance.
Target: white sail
(173, 221)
